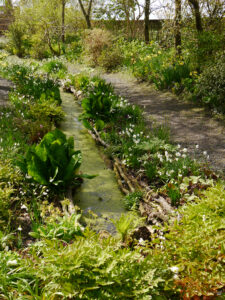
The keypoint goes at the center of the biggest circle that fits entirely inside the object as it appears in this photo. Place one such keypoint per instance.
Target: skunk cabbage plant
(54, 161)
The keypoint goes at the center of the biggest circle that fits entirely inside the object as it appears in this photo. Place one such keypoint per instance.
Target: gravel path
(189, 124)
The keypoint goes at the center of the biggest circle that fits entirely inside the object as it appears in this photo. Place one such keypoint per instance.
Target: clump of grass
(131, 201)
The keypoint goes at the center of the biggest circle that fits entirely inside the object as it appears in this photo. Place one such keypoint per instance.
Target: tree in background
(63, 20)
(121, 11)
(8, 7)
(147, 13)
(198, 19)
(86, 11)
(178, 26)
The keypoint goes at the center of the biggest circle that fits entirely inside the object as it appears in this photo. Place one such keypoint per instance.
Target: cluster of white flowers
(122, 103)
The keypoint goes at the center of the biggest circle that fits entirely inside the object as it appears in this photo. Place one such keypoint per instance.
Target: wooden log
(165, 205)
(124, 176)
(121, 185)
(100, 139)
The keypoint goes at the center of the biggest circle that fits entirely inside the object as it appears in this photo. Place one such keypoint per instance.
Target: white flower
(19, 228)
(24, 207)
(196, 146)
(205, 152)
(203, 218)
(12, 262)
(174, 269)
(178, 146)
(184, 150)
(141, 241)
(175, 276)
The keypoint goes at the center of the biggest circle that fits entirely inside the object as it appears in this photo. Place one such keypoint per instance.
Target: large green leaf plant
(53, 162)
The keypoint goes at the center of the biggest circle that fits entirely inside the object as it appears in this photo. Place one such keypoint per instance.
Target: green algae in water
(100, 195)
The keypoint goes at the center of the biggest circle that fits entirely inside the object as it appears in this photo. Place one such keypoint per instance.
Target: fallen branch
(124, 176)
(121, 185)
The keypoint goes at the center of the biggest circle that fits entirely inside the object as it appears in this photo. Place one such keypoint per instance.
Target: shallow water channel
(100, 195)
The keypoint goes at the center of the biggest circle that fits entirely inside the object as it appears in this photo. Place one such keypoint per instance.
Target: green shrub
(54, 66)
(36, 86)
(53, 162)
(46, 110)
(96, 41)
(110, 58)
(74, 47)
(18, 41)
(9, 180)
(99, 102)
(65, 228)
(195, 245)
(13, 273)
(91, 268)
(39, 47)
(81, 82)
(210, 86)
(131, 201)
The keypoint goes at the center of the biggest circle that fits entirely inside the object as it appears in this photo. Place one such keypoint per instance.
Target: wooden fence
(136, 27)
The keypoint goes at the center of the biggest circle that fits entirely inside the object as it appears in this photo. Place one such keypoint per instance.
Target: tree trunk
(147, 13)
(178, 26)
(198, 19)
(8, 7)
(63, 20)
(88, 13)
(88, 21)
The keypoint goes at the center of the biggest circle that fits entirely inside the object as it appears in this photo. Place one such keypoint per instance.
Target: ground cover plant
(195, 245)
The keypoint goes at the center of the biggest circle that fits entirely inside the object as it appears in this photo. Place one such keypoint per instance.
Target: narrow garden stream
(100, 195)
